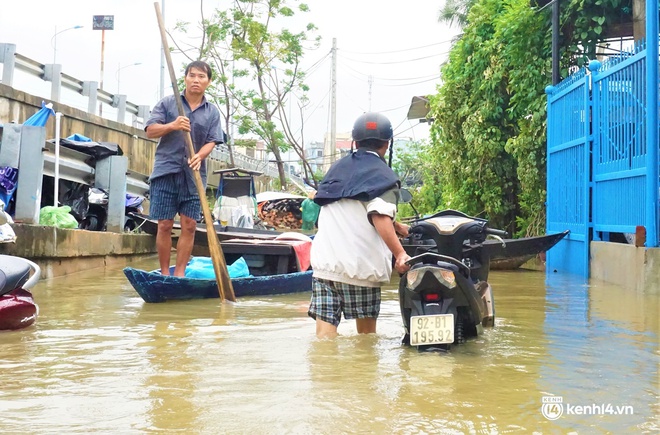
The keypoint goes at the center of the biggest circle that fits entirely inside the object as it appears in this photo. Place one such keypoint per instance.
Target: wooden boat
(17, 307)
(277, 267)
(154, 287)
(224, 232)
(511, 254)
(516, 252)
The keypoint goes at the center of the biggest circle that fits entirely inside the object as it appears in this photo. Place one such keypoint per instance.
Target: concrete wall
(63, 251)
(17, 106)
(626, 265)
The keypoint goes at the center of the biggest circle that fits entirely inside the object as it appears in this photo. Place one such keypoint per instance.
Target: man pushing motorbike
(357, 232)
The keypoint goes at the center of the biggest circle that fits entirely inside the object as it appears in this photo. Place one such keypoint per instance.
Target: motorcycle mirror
(405, 196)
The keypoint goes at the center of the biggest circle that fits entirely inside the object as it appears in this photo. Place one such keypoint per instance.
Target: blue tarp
(40, 118)
(202, 268)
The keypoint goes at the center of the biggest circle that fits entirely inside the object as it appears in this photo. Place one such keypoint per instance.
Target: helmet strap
(391, 147)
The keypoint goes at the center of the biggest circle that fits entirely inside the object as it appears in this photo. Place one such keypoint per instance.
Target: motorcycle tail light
(443, 276)
(431, 297)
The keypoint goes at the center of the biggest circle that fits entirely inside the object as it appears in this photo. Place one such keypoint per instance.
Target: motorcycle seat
(449, 266)
(442, 264)
(16, 272)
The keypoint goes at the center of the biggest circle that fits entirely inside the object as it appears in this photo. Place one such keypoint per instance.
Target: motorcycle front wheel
(90, 223)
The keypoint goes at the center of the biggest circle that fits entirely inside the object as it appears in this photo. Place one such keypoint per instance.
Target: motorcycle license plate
(435, 329)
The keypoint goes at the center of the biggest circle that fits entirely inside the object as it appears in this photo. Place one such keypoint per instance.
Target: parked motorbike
(97, 214)
(445, 297)
(133, 205)
(17, 276)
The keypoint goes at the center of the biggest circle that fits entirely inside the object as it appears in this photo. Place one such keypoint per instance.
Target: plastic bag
(202, 268)
(57, 217)
(6, 231)
(310, 214)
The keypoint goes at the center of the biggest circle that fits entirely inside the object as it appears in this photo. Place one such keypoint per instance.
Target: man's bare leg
(366, 325)
(325, 329)
(185, 244)
(164, 245)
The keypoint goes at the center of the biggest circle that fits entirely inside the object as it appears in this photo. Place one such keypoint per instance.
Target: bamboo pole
(218, 258)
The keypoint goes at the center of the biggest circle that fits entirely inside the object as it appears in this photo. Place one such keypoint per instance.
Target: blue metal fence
(568, 192)
(603, 154)
(619, 147)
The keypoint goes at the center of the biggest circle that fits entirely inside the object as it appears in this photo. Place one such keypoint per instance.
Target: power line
(414, 83)
(393, 109)
(409, 78)
(427, 78)
(409, 128)
(316, 64)
(395, 61)
(400, 51)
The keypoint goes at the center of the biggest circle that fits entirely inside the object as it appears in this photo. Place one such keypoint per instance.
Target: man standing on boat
(357, 236)
(173, 187)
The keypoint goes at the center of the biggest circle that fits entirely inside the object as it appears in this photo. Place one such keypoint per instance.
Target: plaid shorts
(169, 195)
(331, 298)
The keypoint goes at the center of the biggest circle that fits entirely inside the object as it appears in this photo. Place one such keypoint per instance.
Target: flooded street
(100, 360)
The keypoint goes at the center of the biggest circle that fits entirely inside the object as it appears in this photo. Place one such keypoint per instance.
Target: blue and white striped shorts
(170, 195)
(331, 298)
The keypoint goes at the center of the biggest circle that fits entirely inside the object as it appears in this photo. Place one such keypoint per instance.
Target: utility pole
(556, 78)
(102, 23)
(102, 64)
(333, 104)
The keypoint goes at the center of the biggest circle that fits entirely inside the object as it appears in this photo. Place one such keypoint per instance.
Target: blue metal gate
(603, 163)
(568, 195)
(619, 146)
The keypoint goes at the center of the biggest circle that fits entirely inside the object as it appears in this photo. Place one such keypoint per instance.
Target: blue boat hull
(154, 287)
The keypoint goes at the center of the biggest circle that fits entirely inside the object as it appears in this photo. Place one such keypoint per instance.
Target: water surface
(100, 360)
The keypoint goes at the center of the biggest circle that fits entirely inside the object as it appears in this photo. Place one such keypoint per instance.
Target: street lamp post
(53, 40)
(119, 68)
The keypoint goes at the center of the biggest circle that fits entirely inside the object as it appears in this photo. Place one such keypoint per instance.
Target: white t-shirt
(347, 248)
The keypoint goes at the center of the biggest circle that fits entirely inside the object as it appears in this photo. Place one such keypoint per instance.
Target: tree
(454, 12)
(258, 61)
(488, 141)
(411, 165)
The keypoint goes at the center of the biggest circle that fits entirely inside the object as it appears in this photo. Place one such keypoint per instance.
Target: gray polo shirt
(172, 152)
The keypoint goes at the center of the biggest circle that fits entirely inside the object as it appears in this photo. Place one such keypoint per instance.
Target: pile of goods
(281, 213)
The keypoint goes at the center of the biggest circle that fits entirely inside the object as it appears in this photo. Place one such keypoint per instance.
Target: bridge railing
(12, 61)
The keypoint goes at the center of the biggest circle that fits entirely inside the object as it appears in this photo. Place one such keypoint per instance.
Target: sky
(388, 52)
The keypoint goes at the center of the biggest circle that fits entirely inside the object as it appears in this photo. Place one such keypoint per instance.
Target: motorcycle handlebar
(495, 232)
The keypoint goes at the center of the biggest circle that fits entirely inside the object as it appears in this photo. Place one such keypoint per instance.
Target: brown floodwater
(100, 360)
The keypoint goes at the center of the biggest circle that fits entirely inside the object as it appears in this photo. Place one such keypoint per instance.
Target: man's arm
(155, 131)
(385, 228)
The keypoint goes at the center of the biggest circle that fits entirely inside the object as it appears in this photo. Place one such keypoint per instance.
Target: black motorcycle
(97, 213)
(445, 297)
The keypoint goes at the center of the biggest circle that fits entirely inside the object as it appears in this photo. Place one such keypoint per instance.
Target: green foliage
(488, 149)
(476, 116)
(586, 22)
(410, 162)
(454, 12)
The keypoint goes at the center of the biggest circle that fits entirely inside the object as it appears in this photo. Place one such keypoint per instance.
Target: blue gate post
(652, 123)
